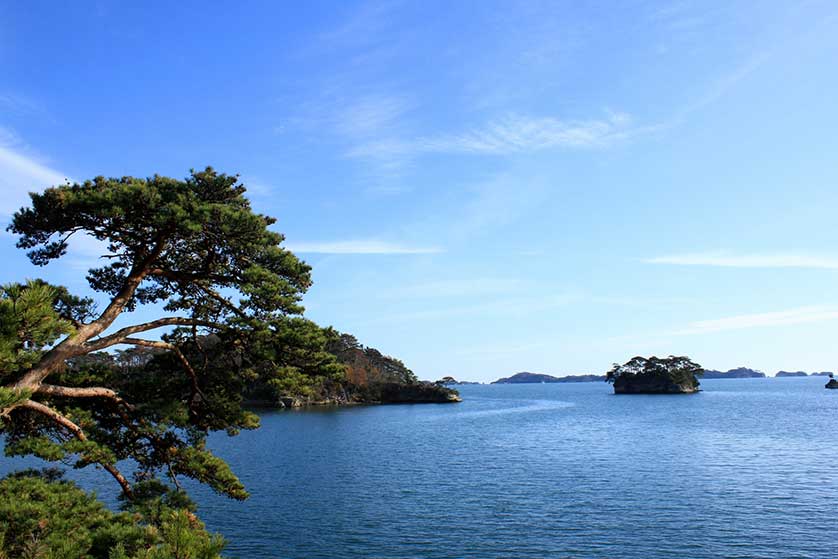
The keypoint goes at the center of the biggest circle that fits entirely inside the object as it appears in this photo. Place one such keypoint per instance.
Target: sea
(744, 469)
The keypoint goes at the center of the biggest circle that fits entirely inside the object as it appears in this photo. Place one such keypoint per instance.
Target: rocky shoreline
(374, 394)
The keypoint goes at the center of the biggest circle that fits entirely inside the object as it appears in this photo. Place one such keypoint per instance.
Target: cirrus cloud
(360, 247)
(753, 260)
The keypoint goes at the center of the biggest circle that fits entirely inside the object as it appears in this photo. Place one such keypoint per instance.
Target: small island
(832, 384)
(671, 375)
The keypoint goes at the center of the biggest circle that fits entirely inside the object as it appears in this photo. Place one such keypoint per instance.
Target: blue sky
(481, 188)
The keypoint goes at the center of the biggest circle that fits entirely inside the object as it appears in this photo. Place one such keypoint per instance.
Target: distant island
(538, 378)
(741, 372)
(671, 375)
(781, 374)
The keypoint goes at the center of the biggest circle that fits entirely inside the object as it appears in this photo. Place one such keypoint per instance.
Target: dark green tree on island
(654, 375)
(229, 299)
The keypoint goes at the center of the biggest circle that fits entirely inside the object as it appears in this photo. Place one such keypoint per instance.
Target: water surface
(743, 469)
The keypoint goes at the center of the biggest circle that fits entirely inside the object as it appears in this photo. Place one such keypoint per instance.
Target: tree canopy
(678, 370)
(231, 300)
(44, 516)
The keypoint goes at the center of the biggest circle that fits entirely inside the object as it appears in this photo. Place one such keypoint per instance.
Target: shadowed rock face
(422, 392)
(833, 384)
(648, 384)
(379, 393)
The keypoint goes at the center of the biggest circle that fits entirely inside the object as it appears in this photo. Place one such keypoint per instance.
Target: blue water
(743, 469)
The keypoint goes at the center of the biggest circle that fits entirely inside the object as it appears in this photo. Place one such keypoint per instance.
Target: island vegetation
(76, 389)
(653, 375)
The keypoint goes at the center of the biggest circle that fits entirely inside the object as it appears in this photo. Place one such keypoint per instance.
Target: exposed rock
(290, 402)
(642, 384)
(833, 384)
(417, 393)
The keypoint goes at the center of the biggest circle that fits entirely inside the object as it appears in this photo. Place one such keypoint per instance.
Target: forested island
(653, 375)
(529, 378)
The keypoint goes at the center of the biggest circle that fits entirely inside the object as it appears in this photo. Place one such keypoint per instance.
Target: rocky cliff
(652, 385)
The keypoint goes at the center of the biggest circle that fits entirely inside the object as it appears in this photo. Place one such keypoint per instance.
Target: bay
(742, 469)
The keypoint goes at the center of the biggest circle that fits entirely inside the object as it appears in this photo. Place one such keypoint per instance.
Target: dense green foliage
(32, 317)
(77, 390)
(367, 365)
(44, 517)
(227, 287)
(678, 370)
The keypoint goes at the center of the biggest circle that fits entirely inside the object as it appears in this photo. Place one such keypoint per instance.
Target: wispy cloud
(517, 133)
(765, 260)
(799, 315)
(360, 247)
(459, 288)
(508, 135)
(507, 308)
(370, 115)
(12, 103)
(85, 252)
(20, 174)
(361, 26)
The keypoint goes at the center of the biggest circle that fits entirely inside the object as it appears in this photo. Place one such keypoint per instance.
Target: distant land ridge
(802, 374)
(741, 372)
(531, 378)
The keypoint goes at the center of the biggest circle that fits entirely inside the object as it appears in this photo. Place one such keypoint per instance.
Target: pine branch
(77, 432)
